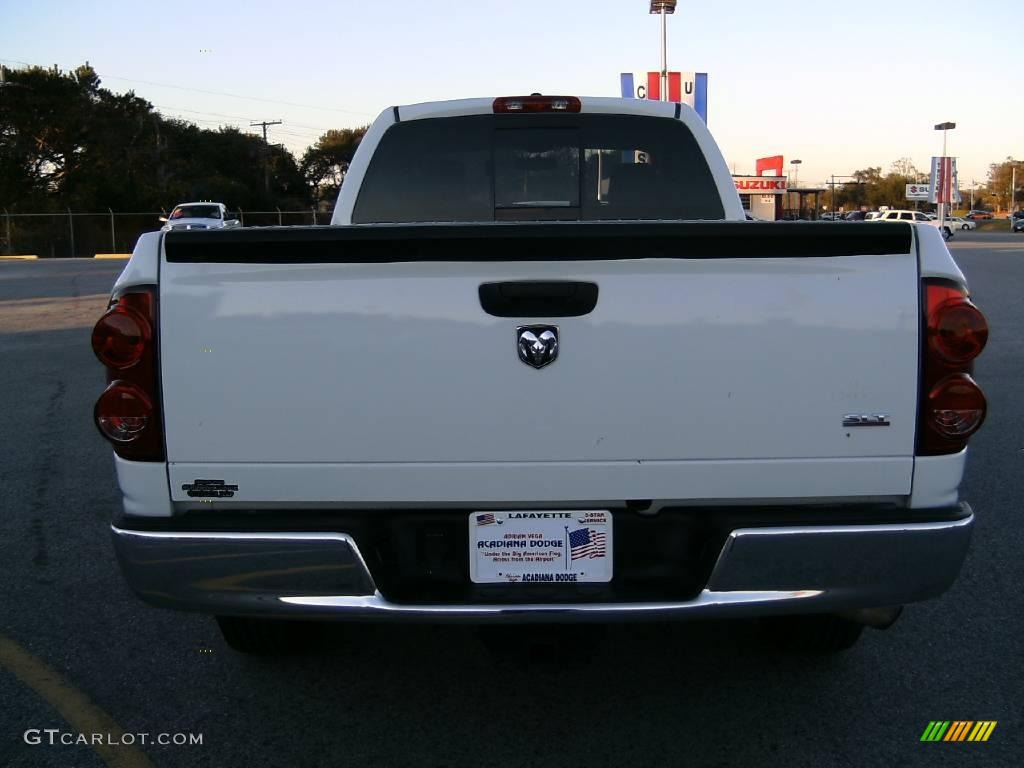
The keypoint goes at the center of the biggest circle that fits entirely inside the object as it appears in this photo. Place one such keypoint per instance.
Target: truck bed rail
(514, 242)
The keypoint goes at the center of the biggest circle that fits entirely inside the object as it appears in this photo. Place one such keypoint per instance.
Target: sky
(840, 86)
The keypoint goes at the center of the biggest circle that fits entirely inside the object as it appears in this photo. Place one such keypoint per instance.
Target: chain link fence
(74, 234)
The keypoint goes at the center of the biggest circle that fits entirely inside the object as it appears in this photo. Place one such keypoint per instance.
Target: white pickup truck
(540, 369)
(193, 216)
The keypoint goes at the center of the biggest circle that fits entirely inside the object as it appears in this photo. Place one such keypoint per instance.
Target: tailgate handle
(538, 298)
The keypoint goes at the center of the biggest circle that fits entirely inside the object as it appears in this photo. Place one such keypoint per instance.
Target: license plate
(542, 547)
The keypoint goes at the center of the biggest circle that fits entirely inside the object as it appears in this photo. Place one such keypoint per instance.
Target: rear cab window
(587, 167)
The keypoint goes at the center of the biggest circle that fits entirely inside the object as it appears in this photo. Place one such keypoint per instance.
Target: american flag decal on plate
(545, 546)
(585, 543)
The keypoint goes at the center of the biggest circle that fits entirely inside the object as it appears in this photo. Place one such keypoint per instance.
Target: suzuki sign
(760, 185)
(918, 191)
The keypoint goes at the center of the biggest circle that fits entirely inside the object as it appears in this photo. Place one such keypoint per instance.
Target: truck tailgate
(712, 346)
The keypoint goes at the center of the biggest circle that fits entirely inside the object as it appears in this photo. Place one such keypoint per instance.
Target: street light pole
(664, 56)
(947, 126)
(664, 7)
(796, 181)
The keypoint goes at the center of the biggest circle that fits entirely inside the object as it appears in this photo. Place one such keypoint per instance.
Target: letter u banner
(689, 88)
(959, 730)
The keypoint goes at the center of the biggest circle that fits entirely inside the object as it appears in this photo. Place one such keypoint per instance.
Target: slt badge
(538, 344)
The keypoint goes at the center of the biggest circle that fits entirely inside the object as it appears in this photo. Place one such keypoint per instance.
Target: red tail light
(123, 412)
(953, 407)
(120, 337)
(956, 407)
(128, 412)
(957, 331)
(533, 104)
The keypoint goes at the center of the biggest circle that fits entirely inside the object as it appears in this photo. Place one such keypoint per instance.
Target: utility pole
(161, 171)
(266, 150)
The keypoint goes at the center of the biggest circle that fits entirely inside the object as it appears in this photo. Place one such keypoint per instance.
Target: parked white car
(203, 215)
(915, 217)
(959, 222)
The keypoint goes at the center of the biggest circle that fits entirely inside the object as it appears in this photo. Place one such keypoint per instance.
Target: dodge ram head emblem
(538, 344)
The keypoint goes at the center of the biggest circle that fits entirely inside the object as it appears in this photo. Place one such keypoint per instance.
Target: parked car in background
(873, 216)
(1017, 225)
(855, 216)
(199, 216)
(959, 222)
(916, 217)
(978, 215)
(1017, 215)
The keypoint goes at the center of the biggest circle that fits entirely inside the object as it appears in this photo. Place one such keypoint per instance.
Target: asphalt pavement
(78, 651)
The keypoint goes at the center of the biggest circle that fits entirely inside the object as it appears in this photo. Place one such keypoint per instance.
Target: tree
(65, 141)
(870, 189)
(1000, 177)
(905, 167)
(325, 164)
(43, 118)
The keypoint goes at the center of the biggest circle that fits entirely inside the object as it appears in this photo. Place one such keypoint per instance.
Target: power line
(306, 136)
(201, 112)
(215, 93)
(238, 96)
(246, 118)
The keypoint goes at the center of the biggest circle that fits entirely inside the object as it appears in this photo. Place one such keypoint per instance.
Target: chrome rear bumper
(759, 571)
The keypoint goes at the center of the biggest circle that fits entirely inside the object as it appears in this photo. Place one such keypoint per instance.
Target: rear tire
(965, 227)
(262, 637)
(819, 633)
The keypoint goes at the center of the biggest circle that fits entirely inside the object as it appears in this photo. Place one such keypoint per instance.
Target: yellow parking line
(17, 258)
(73, 705)
(112, 256)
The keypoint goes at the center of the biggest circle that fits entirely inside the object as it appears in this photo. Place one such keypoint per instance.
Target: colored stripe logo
(959, 730)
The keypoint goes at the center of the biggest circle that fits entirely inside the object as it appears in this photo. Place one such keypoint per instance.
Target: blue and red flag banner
(683, 87)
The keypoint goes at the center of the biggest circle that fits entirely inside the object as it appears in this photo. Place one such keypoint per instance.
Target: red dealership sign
(760, 185)
(773, 163)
